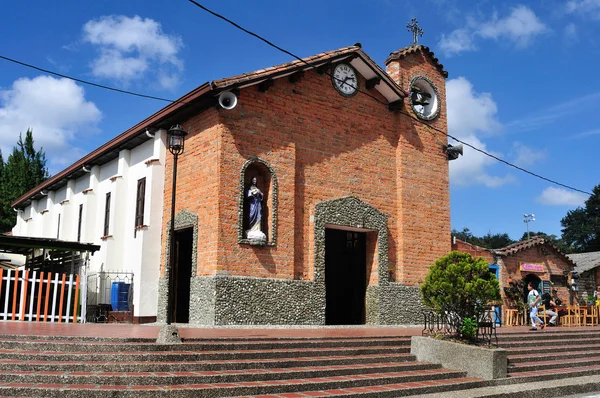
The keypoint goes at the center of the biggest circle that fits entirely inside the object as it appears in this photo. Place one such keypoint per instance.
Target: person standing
(533, 298)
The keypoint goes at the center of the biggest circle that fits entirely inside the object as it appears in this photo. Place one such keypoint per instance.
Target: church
(310, 193)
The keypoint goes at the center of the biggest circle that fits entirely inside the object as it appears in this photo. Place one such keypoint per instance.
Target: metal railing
(109, 292)
(449, 324)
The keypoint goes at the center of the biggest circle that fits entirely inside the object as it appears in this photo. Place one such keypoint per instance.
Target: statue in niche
(254, 197)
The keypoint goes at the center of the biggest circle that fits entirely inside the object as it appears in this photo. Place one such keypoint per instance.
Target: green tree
(24, 169)
(581, 227)
(460, 285)
(495, 241)
(489, 241)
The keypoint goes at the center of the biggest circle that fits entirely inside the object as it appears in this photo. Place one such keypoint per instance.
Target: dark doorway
(536, 283)
(345, 277)
(182, 275)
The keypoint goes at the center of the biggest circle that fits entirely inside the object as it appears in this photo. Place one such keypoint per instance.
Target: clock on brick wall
(424, 98)
(345, 79)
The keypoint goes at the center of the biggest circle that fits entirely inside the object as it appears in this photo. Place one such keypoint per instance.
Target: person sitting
(550, 310)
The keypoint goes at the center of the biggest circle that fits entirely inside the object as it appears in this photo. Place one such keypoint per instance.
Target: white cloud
(458, 41)
(561, 197)
(520, 27)
(586, 134)
(525, 156)
(469, 111)
(56, 110)
(133, 48)
(589, 8)
(469, 115)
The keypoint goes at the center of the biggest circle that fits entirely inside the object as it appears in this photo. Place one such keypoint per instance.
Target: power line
(84, 81)
(378, 100)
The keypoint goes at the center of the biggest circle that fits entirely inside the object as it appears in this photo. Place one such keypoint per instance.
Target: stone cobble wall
(400, 305)
(234, 300)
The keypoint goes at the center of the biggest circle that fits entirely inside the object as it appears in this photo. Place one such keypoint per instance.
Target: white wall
(125, 248)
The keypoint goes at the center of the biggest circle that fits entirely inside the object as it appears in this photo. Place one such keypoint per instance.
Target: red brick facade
(321, 146)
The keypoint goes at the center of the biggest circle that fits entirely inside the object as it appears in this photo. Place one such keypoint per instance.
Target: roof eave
(115, 143)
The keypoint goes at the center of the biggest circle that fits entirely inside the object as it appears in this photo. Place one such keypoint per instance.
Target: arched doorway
(536, 283)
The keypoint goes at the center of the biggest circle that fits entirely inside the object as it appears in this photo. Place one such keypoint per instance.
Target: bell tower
(421, 162)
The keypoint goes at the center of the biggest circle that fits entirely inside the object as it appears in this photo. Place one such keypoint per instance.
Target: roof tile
(413, 48)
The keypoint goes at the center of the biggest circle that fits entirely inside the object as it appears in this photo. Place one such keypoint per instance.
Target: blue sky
(523, 81)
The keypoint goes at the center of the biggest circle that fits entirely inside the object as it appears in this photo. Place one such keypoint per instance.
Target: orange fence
(37, 296)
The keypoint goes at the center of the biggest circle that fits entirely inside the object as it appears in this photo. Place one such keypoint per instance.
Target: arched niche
(267, 183)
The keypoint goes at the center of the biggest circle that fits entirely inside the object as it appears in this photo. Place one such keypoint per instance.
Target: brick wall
(553, 265)
(473, 250)
(321, 146)
(423, 210)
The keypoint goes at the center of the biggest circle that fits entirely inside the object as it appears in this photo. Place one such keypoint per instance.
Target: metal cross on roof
(413, 27)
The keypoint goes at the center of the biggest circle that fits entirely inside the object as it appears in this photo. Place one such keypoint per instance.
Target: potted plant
(591, 300)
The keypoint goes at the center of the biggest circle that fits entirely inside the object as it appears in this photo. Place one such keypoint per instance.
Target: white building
(113, 197)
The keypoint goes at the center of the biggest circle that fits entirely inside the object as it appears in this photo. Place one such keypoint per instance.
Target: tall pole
(527, 218)
(172, 244)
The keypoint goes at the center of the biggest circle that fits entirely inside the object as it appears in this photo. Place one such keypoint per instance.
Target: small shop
(534, 260)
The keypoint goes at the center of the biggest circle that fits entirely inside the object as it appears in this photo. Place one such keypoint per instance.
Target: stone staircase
(284, 367)
(554, 353)
(257, 367)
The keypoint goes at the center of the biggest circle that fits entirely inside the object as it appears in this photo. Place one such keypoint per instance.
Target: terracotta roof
(250, 78)
(529, 243)
(287, 67)
(585, 261)
(413, 48)
(100, 154)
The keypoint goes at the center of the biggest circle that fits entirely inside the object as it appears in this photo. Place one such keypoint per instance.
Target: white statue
(255, 198)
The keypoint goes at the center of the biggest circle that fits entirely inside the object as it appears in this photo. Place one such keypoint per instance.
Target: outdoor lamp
(176, 139)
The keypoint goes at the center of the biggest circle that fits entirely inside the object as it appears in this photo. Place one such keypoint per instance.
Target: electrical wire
(84, 81)
(378, 100)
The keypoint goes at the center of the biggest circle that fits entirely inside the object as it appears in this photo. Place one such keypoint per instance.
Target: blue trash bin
(119, 297)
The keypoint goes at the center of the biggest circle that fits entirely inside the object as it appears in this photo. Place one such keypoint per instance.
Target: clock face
(345, 79)
(424, 99)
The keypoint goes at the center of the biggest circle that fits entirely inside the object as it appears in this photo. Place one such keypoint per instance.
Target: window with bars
(106, 214)
(140, 199)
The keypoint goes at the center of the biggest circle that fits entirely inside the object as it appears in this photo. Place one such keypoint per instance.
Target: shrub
(460, 286)
(469, 329)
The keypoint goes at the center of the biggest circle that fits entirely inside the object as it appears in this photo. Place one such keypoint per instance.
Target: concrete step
(208, 345)
(188, 355)
(192, 365)
(553, 364)
(550, 354)
(555, 347)
(549, 333)
(397, 383)
(558, 341)
(209, 377)
(531, 389)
